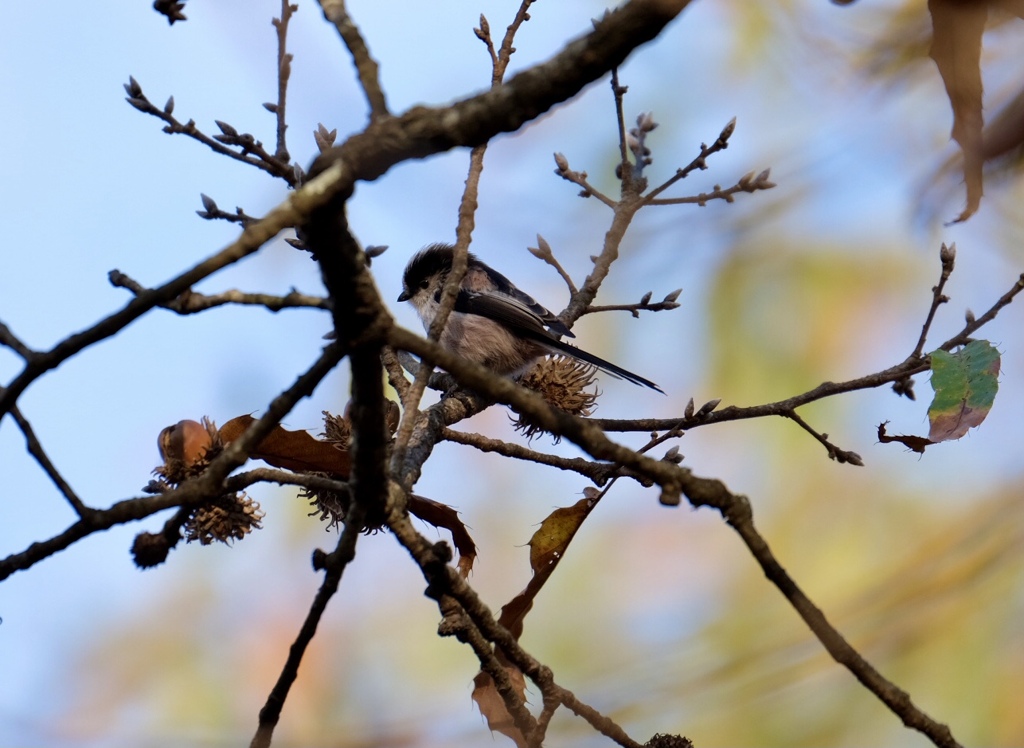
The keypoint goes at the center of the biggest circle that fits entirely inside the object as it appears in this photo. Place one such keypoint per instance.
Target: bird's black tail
(606, 366)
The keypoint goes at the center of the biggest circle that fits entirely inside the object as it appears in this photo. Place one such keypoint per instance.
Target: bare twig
(747, 183)
(598, 472)
(644, 305)
(899, 702)
(947, 256)
(543, 252)
(37, 451)
(483, 33)
(284, 71)
(190, 302)
(12, 341)
(506, 50)
(211, 212)
(396, 374)
(909, 367)
(457, 623)
(366, 67)
(580, 178)
(700, 162)
(460, 263)
(443, 579)
(841, 456)
(623, 170)
(229, 136)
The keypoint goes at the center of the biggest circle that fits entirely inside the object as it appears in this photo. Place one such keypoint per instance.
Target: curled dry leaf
(914, 443)
(547, 546)
(291, 450)
(442, 515)
(957, 28)
(492, 706)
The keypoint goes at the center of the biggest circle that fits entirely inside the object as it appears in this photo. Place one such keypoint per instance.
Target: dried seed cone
(224, 519)
(563, 383)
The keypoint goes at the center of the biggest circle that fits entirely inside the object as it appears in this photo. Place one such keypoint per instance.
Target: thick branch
(424, 131)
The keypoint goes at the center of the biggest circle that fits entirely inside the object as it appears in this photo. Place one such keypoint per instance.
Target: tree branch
(284, 71)
(229, 136)
(191, 302)
(35, 448)
(367, 69)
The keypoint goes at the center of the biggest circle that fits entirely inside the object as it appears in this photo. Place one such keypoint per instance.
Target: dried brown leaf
(442, 515)
(914, 443)
(957, 28)
(291, 450)
(547, 546)
(492, 706)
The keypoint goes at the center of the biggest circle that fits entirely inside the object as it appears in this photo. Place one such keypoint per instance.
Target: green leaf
(965, 385)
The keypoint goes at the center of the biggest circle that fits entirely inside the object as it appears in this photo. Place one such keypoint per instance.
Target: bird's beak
(404, 296)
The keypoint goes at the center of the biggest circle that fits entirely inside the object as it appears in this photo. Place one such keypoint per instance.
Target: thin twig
(367, 69)
(947, 256)
(964, 336)
(740, 518)
(841, 456)
(748, 183)
(396, 374)
(247, 144)
(211, 212)
(284, 71)
(624, 170)
(700, 162)
(634, 309)
(456, 622)
(13, 342)
(35, 448)
(580, 178)
(598, 472)
(543, 252)
(444, 579)
(191, 302)
(504, 55)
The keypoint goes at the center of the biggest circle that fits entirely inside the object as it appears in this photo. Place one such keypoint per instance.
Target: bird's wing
(507, 290)
(518, 316)
(512, 311)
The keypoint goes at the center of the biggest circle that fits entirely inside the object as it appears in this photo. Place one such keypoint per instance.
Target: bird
(494, 323)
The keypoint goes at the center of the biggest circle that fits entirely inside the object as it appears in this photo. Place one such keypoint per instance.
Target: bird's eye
(424, 283)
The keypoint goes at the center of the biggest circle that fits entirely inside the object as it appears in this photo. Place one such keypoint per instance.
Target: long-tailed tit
(494, 323)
